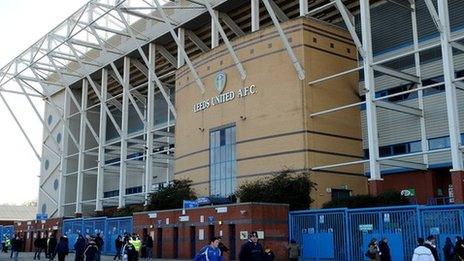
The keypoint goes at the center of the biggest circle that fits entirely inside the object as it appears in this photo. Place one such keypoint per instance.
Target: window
(340, 193)
(439, 143)
(55, 184)
(222, 161)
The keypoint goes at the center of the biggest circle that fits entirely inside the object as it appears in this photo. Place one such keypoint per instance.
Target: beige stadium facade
(361, 95)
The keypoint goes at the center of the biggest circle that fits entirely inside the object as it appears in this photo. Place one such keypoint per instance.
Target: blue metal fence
(109, 229)
(344, 234)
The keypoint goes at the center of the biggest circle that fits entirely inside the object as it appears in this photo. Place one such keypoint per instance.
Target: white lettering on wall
(225, 97)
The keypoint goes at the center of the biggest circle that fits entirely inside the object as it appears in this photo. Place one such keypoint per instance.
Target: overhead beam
(396, 73)
(197, 41)
(403, 164)
(231, 24)
(399, 108)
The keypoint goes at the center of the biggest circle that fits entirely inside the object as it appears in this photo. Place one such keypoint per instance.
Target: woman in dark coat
(91, 251)
(79, 246)
(62, 248)
(384, 250)
(52, 247)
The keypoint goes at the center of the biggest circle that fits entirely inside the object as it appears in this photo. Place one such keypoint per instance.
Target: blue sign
(190, 204)
(211, 219)
(41, 216)
(203, 201)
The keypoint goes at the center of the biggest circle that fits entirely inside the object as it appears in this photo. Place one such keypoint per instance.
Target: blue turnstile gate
(108, 228)
(344, 234)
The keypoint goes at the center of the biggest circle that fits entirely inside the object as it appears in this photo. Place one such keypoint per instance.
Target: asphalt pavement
(28, 256)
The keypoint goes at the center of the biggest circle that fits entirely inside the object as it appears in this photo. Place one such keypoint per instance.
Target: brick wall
(29, 230)
(180, 239)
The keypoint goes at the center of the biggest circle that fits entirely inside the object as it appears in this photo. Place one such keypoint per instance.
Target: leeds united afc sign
(220, 82)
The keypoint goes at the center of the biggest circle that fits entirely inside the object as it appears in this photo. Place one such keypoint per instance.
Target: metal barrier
(344, 234)
(109, 229)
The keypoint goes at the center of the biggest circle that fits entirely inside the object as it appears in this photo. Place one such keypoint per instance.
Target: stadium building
(363, 94)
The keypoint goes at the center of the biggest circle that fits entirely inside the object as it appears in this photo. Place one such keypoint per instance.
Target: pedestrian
(459, 248)
(135, 241)
(79, 247)
(38, 247)
(149, 246)
(45, 244)
(4, 247)
(268, 254)
(12, 242)
(373, 250)
(384, 250)
(293, 250)
(52, 242)
(448, 250)
(99, 242)
(62, 248)
(222, 247)
(430, 244)
(128, 250)
(118, 244)
(91, 251)
(422, 253)
(252, 250)
(209, 252)
(16, 244)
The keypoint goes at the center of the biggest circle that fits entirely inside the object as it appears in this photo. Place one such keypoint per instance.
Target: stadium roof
(17, 213)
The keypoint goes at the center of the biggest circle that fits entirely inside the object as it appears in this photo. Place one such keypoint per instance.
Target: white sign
(221, 210)
(225, 97)
(243, 235)
(260, 234)
(152, 215)
(366, 227)
(167, 221)
(201, 234)
(184, 218)
(202, 219)
(220, 233)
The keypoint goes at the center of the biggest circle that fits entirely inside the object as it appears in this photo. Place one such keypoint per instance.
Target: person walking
(128, 250)
(91, 251)
(209, 252)
(384, 250)
(459, 249)
(4, 247)
(252, 250)
(45, 240)
(16, 244)
(52, 242)
(12, 249)
(293, 250)
(99, 243)
(430, 244)
(373, 252)
(38, 247)
(448, 250)
(135, 241)
(62, 248)
(118, 244)
(79, 247)
(149, 246)
(422, 253)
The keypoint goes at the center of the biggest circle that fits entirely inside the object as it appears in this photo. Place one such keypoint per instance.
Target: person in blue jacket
(210, 252)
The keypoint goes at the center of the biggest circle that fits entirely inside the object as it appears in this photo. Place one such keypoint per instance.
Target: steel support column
(371, 111)
(303, 7)
(101, 142)
(180, 58)
(124, 132)
(450, 90)
(420, 92)
(254, 15)
(64, 160)
(150, 123)
(81, 157)
(214, 32)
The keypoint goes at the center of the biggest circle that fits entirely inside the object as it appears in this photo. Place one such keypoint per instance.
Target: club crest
(220, 82)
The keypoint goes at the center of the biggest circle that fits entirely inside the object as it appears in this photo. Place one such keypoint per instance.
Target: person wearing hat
(252, 250)
(430, 244)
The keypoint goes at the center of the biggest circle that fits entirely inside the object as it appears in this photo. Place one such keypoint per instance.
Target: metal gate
(344, 234)
(322, 234)
(116, 227)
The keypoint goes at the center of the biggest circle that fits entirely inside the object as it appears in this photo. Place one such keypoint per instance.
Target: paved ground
(70, 257)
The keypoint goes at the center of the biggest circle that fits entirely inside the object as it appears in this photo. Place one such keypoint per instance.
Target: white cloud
(22, 23)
